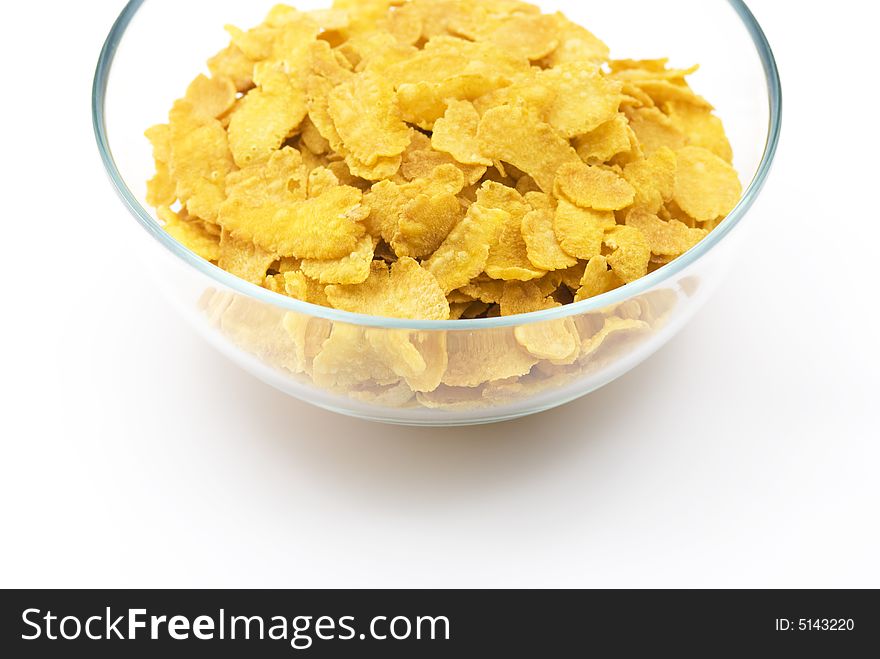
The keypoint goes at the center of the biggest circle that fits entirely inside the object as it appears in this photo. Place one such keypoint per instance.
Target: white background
(744, 454)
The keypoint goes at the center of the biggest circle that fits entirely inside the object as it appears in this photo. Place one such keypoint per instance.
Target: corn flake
(631, 253)
(666, 238)
(597, 279)
(653, 179)
(576, 44)
(706, 186)
(191, 234)
(199, 161)
(613, 327)
(296, 285)
(508, 256)
(366, 117)
(702, 128)
(351, 269)
(425, 223)
(553, 340)
(232, 63)
(348, 359)
(326, 227)
(485, 356)
(612, 138)
(405, 291)
(584, 98)
(267, 116)
(542, 246)
(655, 130)
(418, 357)
(465, 252)
(211, 98)
(593, 187)
(513, 134)
(456, 134)
(580, 231)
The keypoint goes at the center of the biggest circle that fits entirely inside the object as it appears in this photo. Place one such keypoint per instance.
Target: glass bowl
(450, 372)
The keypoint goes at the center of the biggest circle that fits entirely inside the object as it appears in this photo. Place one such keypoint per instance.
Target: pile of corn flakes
(437, 160)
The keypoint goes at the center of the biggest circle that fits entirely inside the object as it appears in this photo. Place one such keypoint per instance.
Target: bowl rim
(151, 225)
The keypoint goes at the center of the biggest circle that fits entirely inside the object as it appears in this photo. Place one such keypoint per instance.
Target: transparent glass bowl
(386, 369)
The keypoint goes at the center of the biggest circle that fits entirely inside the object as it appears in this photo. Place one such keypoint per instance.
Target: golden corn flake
(640, 71)
(162, 188)
(425, 223)
(256, 327)
(420, 160)
(513, 134)
(424, 103)
(351, 269)
(576, 44)
(485, 356)
(605, 142)
(244, 259)
(539, 200)
(321, 180)
(593, 187)
(233, 64)
(434, 16)
(211, 98)
(631, 253)
(363, 14)
(464, 254)
(394, 348)
(191, 234)
(653, 179)
(405, 291)
(665, 91)
(326, 227)
(580, 231)
(508, 257)
(524, 297)
(666, 238)
(533, 36)
(612, 327)
(456, 134)
(553, 340)
(399, 395)
(365, 114)
(388, 202)
(585, 99)
(267, 116)
(597, 279)
(418, 357)
(655, 130)
(200, 161)
(405, 25)
(437, 159)
(303, 288)
(702, 128)
(706, 187)
(308, 335)
(432, 346)
(571, 277)
(281, 179)
(311, 138)
(488, 291)
(542, 246)
(347, 359)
